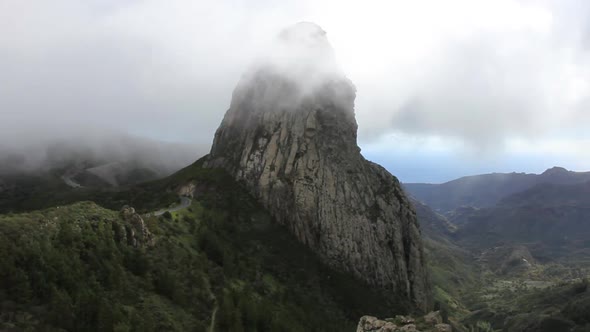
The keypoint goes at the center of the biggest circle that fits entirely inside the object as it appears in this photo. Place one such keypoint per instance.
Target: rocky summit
(290, 136)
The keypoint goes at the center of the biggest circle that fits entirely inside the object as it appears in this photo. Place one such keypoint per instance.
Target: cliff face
(294, 144)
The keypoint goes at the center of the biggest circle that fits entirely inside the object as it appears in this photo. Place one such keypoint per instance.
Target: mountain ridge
(485, 190)
(294, 145)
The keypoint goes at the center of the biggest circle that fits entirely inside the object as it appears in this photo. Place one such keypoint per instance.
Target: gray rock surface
(433, 318)
(428, 323)
(295, 148)
(136, 232)
(370, 323)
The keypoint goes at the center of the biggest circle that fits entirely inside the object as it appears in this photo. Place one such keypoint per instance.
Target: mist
(472, 76)
(82, 150)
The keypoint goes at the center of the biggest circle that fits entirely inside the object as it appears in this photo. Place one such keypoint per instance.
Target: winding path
(69, 181)
(184, 203)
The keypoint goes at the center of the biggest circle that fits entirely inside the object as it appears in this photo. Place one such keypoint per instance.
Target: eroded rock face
(432, 322)
(136, 232)
(370, 323)
(295, 147)
(186, 190)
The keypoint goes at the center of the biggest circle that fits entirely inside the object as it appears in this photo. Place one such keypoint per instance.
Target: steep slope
(432, 224)
(453, 269)
(575, 195)
(290, 136)
(82, 267)
(487, 189)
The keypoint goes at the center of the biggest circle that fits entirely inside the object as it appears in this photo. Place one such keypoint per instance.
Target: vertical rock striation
(291, 136)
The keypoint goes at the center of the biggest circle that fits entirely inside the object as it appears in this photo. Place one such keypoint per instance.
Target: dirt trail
(184, 203)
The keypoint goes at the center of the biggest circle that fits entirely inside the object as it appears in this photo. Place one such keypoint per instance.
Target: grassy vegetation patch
(66, 269)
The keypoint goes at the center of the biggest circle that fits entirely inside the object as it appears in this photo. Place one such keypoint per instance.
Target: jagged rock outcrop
(370, 323)
(186, 190)
(291, 137)
(432, 322)
(136, 232)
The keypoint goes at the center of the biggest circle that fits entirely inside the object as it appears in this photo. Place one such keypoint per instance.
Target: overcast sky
(444, 88)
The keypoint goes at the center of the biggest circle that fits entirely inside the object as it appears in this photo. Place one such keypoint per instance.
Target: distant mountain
(552, 219)
(71, 155)
(33, 175)
(487, 189)
(519, 265)
(551, 195)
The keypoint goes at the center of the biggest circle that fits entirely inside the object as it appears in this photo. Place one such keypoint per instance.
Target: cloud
(476, 93)
(514, 70)
(480, 72)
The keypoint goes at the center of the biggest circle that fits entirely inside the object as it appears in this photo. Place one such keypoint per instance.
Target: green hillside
(69, 268)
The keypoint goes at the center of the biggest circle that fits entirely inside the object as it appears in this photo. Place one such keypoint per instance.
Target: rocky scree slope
(293, 143)
(431, 322)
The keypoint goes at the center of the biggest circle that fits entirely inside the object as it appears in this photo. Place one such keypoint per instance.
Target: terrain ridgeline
(291, 137)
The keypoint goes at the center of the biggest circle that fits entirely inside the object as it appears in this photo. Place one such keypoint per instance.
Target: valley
(479, 283)
(222, 253)
(527, 254)
(122, 209)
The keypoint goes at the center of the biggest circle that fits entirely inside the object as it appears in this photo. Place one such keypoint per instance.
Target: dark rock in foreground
(432, 322)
